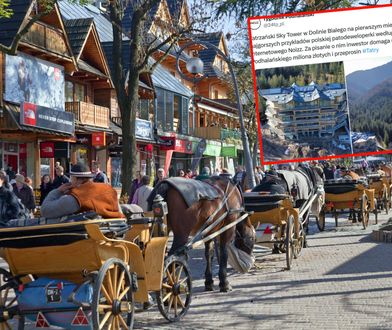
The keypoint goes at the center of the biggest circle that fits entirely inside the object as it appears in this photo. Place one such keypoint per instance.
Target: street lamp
(195, 66)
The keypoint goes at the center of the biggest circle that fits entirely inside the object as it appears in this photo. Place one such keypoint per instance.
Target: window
(160, 110)
(169, 100)
(144, 109)
(74, 92)
(216, 94)
(68, 91)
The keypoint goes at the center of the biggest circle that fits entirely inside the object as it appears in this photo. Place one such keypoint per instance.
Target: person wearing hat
(271, 183)
(348, 174)
(81, 195)
(24, 192)
(205, 174)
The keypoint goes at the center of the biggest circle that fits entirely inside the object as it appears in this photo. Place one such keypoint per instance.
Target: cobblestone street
(342, 281)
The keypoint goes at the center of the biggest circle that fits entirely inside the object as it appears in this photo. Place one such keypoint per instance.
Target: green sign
(212, 150)
(229, 151)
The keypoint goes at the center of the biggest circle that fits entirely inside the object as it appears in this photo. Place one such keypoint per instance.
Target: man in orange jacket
(81, 195)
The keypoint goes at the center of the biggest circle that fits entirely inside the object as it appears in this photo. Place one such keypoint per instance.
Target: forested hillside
(372, 112)
(301, 75)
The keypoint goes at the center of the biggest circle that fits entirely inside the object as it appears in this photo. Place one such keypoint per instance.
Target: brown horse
(186, 221)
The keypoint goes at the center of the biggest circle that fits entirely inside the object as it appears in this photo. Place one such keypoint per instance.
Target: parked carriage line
(125, 261)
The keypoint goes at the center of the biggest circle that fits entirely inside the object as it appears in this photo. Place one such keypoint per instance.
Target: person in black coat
(45, 188)
(24, 192)
(10, 206)
(60, 177)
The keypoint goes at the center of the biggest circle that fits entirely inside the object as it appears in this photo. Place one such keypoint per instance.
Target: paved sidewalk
(342, 281)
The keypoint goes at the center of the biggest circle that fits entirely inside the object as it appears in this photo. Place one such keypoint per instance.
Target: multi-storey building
(301, 113)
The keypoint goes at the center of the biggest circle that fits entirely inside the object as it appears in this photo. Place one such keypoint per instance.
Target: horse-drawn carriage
(347, 196)
(381, 185)
(90, 273)
(281, 219)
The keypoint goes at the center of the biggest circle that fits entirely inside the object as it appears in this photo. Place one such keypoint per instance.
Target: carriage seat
(341, 186)
(43, 232)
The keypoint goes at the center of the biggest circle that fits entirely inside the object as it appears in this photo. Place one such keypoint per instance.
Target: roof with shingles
(208, 55)
(77, 30)
(71, 11)
(175, 8)
(127, 19)
(9, 27)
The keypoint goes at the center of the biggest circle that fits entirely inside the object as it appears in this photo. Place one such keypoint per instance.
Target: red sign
(47, 150)
(167, 143)
(183, 146)
(98, 139)
(29, 114)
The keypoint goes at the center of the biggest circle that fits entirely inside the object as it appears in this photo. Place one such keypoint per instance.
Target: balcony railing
(89, 114)
(230, 134)
(46, 37)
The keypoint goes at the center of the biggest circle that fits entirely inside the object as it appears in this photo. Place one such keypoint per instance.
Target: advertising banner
(98, 139)
(29, 79)
(47, 149)
(166, 142)
(143, 129)
(46, 118)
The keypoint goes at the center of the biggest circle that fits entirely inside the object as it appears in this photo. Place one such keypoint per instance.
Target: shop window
(144, 109)
(216, 94)
(169, 110)
(177, 105)
(160, 107)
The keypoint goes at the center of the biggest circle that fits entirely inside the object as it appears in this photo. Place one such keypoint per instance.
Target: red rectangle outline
(284, 161)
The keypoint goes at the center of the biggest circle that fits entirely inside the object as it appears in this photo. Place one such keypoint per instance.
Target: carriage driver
(348, 174)
(80, 195)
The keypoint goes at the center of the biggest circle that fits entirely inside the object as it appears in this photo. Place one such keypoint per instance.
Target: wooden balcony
(46, 37)
(89, 114)
(217, 133)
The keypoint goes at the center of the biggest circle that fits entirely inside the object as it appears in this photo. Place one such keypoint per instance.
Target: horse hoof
(227, 288)
(209, 288)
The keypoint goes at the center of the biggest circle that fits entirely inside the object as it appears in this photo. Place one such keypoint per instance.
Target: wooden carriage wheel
(8, 301)
(113, 304)
(175, 295)
(289, 241)
(299, 241)
(364, 211)
(320, 220)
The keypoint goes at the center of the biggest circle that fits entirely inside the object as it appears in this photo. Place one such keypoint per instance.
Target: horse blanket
(191, 190)
(299, 180)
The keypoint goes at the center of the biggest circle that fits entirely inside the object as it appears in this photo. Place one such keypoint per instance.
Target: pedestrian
(142, 193)
(45, 188)
(10, 172)
(24, 193)
(136, 183)
(188, 174)
(217, 172)
(81, 195)
(10, 205)
(160, 176)
(29, 182)
(328, 171)
(205, 174)
(195, 173)
(181, 173)
(99, 175)
(239, 177)
(60, 177)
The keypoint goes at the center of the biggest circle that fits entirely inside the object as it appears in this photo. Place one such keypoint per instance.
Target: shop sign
(183, 146)
(46, 118)
(212, 150)
(83, 139)
(143, 129)
(166, 142)
(47, 149)
(98, 139)
(229, 151)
